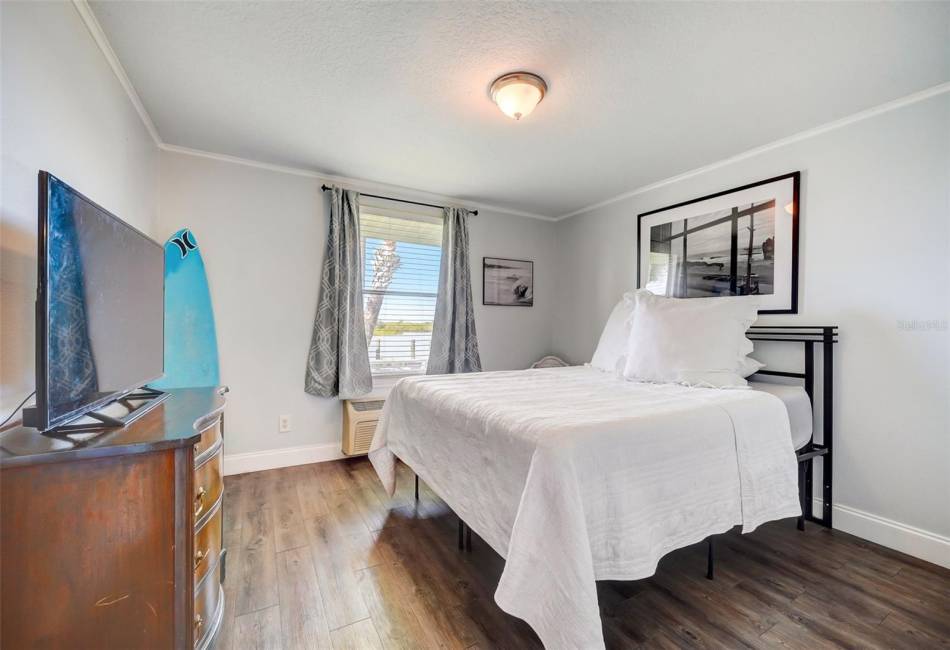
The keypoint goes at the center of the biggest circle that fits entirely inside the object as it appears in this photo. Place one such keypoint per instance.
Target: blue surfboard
(191, 347)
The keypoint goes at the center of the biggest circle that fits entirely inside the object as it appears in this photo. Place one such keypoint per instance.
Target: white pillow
(611, 352)
(749, 366)
(694, 341)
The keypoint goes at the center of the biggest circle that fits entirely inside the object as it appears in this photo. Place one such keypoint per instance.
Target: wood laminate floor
(320, 557)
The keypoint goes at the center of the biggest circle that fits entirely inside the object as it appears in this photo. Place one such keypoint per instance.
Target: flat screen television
(99, 308)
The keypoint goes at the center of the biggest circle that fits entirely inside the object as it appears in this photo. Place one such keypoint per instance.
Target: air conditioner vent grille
(375, 405)
(363, 436)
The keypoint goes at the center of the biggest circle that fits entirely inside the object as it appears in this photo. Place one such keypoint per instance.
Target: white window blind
(401, 257)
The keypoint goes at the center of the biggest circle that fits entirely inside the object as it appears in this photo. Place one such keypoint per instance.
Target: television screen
(100, 326)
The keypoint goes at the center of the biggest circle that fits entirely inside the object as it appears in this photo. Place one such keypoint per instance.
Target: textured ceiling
(397, 92)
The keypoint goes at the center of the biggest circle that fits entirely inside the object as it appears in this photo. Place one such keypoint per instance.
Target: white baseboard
(901, 537)
(256, 461)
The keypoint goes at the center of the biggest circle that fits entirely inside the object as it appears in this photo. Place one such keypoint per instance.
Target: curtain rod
(389, 198)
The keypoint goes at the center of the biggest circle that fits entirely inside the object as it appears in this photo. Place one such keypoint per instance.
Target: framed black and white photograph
(509, 283)
(739, 242)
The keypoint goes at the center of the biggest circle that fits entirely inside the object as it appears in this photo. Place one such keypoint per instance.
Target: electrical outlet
(283, 424)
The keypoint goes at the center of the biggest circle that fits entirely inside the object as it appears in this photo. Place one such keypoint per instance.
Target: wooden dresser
(115, 542)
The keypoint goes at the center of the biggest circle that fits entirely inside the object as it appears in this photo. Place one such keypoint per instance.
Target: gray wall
(263, 235)
(875, 251)
(63, 111)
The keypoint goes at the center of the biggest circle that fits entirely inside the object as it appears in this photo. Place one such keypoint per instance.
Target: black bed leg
(801, 493)
(710, 560)
(461, 534)
(468, 537)
(827, 402)
(417, 487)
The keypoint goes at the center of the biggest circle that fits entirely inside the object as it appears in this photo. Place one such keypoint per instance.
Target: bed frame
(810, 336)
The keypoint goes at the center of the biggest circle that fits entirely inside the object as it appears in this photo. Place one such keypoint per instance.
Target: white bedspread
(573, 475)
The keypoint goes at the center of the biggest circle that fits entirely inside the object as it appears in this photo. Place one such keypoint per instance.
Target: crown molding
(907, 100)
(360, 185)
(99, 36)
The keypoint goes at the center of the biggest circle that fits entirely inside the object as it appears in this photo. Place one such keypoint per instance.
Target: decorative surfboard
(191, 347)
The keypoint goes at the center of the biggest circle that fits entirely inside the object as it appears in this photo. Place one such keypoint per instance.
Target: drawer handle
(198, 621)
(200, 557)
(200, 500)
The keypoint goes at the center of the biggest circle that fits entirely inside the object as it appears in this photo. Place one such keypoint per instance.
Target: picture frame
(739, 242)
(507, 282)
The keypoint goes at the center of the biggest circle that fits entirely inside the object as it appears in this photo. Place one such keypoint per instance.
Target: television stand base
(134, 405)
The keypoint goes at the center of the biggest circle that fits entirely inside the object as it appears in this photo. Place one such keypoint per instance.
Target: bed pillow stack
(611, 352)
(694, 341)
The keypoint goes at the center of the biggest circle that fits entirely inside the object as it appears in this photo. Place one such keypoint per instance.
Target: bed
(574, 475)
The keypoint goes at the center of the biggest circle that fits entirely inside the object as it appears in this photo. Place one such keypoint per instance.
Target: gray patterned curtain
(338, 362)
(454, 342)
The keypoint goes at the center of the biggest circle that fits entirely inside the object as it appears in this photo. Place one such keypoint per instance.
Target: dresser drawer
(209, 601)
(208, 542)
(210, 435)
(208, 485)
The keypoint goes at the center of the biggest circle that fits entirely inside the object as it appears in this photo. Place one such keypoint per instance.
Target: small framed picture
(509, 283)
(740, 242)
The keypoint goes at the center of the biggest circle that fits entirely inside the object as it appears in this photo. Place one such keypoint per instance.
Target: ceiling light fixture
(517, 93)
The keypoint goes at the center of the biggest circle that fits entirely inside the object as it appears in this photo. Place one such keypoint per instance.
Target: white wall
(62, 110)
(263, 235)
(875, 251)
(511, 338)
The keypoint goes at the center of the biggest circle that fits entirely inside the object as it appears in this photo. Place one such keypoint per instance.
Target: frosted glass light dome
(517, 93)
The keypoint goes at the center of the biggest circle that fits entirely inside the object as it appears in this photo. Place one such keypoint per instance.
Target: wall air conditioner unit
(359, 424)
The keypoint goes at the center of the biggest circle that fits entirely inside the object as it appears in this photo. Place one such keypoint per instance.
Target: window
(401, 254)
